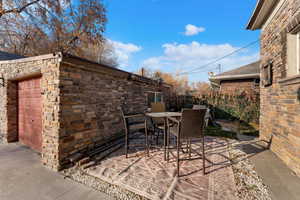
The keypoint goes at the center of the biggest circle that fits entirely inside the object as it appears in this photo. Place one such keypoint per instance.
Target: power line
(218, 59)
(204, 70)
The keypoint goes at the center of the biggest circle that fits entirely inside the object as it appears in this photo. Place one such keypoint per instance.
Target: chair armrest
(134, 115)
(173, 120)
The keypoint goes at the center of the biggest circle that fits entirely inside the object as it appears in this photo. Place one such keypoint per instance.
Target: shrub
(242, 106)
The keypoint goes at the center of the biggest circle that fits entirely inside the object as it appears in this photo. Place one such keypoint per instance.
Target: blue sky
(180, 35)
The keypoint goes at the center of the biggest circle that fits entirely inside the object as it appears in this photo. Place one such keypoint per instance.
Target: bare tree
(102, 52)
(201, 88)
(15, 7)
(34, 27)
(180, 83)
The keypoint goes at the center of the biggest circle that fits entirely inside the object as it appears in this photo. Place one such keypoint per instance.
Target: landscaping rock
(249, 185)
(116, 192)
(1, 139)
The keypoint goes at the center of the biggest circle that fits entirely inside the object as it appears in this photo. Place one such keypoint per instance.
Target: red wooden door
(30, 113)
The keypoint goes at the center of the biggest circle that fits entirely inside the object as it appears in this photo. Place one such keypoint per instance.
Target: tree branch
(17, 10)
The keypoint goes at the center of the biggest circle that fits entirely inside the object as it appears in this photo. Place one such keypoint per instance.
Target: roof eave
(261, 13)
(33, 58)
(75, 60)
(235, 77)
(255, 13)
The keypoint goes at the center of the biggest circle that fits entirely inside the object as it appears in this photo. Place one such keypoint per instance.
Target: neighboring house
(279, 21)
(245, 78)
(60, 105)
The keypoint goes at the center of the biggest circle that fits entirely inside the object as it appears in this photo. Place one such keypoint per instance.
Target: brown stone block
(68, 139)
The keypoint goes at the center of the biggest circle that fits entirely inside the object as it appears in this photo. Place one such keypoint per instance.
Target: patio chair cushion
(158, 107)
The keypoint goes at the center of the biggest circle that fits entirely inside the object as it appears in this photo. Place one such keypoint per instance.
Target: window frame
(267, 78)
(155, 97)
(256, 82)
(289, 56)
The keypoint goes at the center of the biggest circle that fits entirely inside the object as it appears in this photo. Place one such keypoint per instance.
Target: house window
(293, 54)
(267, 75)
(256, 82)
(154, 97)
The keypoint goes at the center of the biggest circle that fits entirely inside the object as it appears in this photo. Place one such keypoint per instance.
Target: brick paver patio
(154, 178)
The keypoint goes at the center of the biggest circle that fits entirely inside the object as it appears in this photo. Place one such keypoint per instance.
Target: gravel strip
(113, 191)
(1, 139)
(249, 185)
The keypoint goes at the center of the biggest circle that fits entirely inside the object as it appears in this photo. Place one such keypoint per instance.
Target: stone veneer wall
(81, 102)
(48, 67)
(280, 108)
(91, 98)
(232, 86)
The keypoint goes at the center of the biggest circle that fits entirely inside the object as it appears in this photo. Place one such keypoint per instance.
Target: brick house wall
(81, 102)
(232, 86)
(280, 106)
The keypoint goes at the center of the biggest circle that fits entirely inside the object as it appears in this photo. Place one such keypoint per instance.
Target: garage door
(30, 113)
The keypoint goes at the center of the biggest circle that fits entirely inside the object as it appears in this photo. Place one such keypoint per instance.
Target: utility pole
(219, 68)
(143, 71)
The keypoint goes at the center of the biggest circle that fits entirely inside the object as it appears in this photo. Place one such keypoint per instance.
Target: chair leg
(146, 135)
(203, 157)
(190, 149)
(151, 137)
(126, 143)
(178, 152)
(183, 148)
(168, 145)
(187, 146)
(157, 136)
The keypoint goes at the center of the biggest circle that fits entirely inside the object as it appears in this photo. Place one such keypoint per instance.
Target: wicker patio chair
(158, 107)
(207, 114)
(189, 127)
(134, 122)
(158, 123)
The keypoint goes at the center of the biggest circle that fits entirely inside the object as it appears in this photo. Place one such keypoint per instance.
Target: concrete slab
(283, 183)
(22, 177)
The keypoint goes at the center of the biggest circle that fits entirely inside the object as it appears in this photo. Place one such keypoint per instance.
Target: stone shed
(59, 104)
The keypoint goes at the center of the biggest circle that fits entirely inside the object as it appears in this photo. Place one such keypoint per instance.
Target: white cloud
(185, 57)
(191, 30)
(124, 51)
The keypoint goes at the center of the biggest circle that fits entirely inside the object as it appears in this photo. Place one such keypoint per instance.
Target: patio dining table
(164, 115)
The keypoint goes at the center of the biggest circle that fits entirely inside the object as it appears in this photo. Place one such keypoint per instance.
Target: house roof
(261, 13)
(9, 56)
(251, 70)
